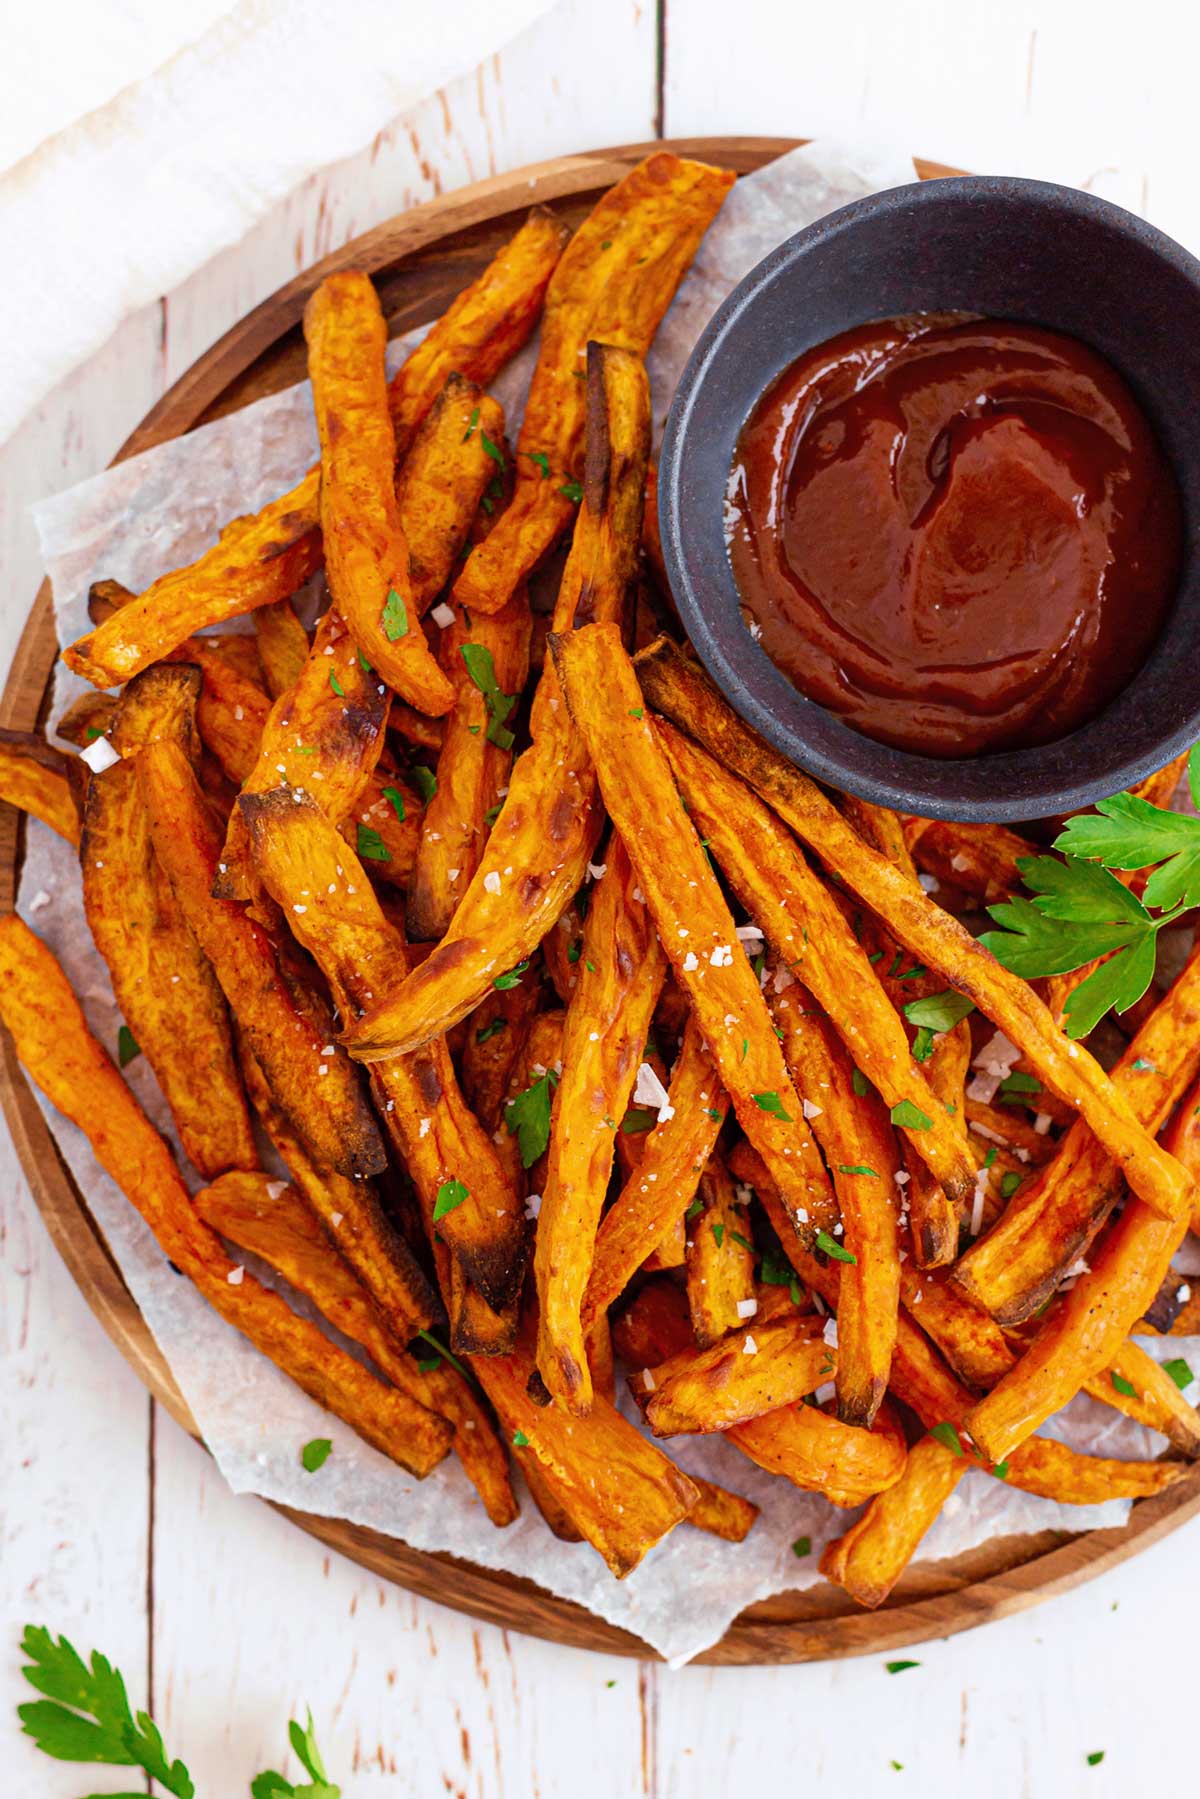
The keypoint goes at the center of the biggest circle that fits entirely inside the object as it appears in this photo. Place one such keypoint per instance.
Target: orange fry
(58, 1050)
(366, 555)
(38, 779)
(817, 1451)
(678, 688)
(744, 1375)
(282, 645)
(613, 284)
(720, 1259)
(456, 454)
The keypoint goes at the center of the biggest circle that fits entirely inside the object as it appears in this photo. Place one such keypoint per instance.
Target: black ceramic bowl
(1003, 248)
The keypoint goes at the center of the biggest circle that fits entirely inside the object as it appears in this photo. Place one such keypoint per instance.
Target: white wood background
(115, 1528)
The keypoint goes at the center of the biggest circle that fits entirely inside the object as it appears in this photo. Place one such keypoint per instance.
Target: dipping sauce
(957, 534)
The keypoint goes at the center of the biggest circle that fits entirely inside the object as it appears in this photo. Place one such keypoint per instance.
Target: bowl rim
(905, 788)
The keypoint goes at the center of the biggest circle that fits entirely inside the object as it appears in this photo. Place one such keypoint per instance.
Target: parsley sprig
(482, 670)
(85, 1717)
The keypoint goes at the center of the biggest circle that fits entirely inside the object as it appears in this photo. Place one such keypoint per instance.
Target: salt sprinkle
(41, 898)
(1042, 1123)
(746, 1308)
(236, 1276)
(690, 961)
(491, 881)
(99, 755)
(533, 1205)
(649, 1091)
(648, 1380)
(443, 615)
(809, 1110)
(722, 956)
(275, 1188)
(597, 869)
(749, 1347)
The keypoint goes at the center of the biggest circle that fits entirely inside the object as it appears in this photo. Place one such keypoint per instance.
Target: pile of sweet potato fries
(588, 1030)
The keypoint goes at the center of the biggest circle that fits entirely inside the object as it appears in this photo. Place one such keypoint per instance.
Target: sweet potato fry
(352, 1216)
(456, 453)
(311, 1080)
(619, 1490)
(792, 906)
(720, 1260)
(384, 825)
(487, 660)
(607, 1023)
(674, 874)
(366, 555)
(162, 980)
(323, 736)
(282, 645)
(231, 712)
(414, 728)
(1005, 1127)
(721, 1513)
(249, 1210)
(484, 327)
(541, 1055)
(86, 718)
(1153, 1399)
(496, 1036)
(613, 285)
(40, 780)
(1055, 1215)
(334, 914)
(862, 1154)
(980, 859)
(817, 1451)
(747, 1373)
(59, 1052)
(869, 1558)
(678, 688)
(255, 562)
(548, 827)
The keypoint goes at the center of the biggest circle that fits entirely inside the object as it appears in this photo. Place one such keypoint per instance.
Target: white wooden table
(116, 1529)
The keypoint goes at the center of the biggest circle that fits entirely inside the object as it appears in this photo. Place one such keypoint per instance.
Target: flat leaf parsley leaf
(482, 670)
(528, 1117)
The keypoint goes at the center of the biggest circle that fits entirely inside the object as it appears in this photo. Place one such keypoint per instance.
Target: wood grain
(420, 261)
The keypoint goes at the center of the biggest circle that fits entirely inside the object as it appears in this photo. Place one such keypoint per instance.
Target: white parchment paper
(161, 509)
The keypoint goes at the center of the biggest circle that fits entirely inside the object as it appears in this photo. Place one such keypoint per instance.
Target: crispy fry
(980, 859)
(720, 1259)
(231, 712)
(277, 1226)
(497, 1032)
(607, 1023)
(1055, 1215)
(675, 876)
(454, 456)
(58, 1050)
(654, 1326)
(448, 1154)
(261, 560)
(162, 980)
(38, 779)
(282, 645)
(721, 1513)
(292, 1046)
(868, 1559)
(747, 1373)
(255, 562)
(366, 555)
(613, 285)
(817, 1451)
(792, 906)
(86, 718)
(353, 1217)
(548, 827)
(677, 687)
(323, 735)
(619, 1490)
(415, 728)
(1155, 1400)
(861, 1150)
(484, 327)
(474, 763)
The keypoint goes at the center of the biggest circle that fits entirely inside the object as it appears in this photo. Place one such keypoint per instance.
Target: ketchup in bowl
(958, 534)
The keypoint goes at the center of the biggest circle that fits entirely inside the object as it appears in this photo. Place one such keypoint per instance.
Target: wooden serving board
(419, 262)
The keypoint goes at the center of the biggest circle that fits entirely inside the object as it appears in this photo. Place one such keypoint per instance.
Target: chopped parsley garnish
(1141, 1066)
(474, 420)
(637, 712)
(1001, 1470)
(363, 663)
(1122, 1385)
(315, 1454)
(857, 1168)
(492, 450)
(450, 1195)
(336, 685)
(424, 780)
(860, 1083)
(1009, 1184)
(1179, 1371)
(482, 670)
(835, 1250)
(922, 1045)
(396, 800)
(1095, 1758)
(718, 1231)
(743, 1242)
(939, 1011)
(127, 1047)
(520, 1440)
(910, 1117)
(394, 618)
(541, 460)
(771, 1102)
(487, 1031)
(574, 950)
(572, 490)
(446, 1354)
(371, 845)
(512, 978)
(590, 966)
(695, 1209)
(1018, 1082)
(802, 1546)
(899, 1667)
(637, 1119)
(528, 1117)
(947, 1436)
